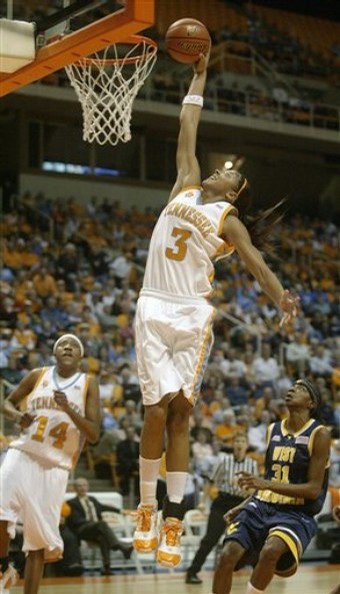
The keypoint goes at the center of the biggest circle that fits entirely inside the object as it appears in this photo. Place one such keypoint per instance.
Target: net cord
(107, 87)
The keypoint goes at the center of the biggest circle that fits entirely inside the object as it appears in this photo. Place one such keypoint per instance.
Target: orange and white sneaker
(169, 550)
(8, 579)
(145, 538)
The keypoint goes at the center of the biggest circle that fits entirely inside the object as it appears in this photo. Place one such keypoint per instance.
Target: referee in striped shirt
(224, 477)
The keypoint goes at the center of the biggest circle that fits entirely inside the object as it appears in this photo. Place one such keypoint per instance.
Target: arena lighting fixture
(233, 162)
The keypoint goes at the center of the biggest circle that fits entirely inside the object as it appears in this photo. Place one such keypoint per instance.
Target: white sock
(148, 471)
(252, 590)
(175, 485)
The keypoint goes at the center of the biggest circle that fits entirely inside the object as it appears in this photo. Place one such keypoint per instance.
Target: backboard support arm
(115, 27)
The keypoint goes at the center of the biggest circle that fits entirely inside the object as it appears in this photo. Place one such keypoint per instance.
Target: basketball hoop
(107, 84)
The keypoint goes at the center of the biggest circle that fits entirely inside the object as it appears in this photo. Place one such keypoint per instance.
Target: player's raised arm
(188, 169)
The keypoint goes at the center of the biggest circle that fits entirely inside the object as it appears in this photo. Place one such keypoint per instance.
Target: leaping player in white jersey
(57, 408)
(174, 318)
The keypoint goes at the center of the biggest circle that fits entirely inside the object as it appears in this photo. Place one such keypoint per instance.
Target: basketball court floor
(310, 579)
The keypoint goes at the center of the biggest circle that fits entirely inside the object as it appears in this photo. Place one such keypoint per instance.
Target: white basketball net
(107, 85)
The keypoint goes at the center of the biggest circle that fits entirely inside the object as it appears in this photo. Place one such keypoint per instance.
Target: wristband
(193, 100)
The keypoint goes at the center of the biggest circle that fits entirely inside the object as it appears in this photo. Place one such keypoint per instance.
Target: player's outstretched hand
(202, 63)
(290, 306)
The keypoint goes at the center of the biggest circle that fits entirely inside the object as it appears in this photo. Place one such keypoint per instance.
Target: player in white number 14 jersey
(57, 408)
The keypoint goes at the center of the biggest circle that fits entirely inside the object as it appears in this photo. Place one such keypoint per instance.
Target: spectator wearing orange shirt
(63, 294)
(226, 430)
(21, 285)
(28, 258)
(44, 283)
(11, 256)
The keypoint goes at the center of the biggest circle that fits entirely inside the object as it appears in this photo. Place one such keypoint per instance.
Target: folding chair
(195, 524)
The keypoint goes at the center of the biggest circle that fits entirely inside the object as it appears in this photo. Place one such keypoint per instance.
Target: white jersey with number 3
(53, 437)
(184, 244)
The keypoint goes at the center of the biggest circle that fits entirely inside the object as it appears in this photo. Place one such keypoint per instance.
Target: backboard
(79, 28)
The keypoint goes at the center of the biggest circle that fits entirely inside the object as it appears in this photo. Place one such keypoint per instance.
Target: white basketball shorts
(33, 493)
(173, 343)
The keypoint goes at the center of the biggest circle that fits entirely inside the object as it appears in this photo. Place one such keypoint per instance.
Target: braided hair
(260, 226)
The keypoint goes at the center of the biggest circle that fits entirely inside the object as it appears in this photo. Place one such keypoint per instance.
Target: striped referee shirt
(224, 475)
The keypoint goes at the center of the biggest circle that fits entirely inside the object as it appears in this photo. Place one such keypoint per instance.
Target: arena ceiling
(327, 9)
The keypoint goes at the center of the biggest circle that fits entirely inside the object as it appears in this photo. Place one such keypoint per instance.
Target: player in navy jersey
(272, 528)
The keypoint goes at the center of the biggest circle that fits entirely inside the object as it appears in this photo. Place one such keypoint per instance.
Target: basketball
(186, 39)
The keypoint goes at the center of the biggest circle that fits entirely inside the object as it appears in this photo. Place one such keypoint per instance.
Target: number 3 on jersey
(180, 244)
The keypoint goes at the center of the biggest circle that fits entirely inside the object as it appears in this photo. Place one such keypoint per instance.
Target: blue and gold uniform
(270, 514)
(287, 461)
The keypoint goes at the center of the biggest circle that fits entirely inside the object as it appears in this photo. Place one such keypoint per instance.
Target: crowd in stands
(284, 52)
(249, 50)
(71, 267)
(276, 104)
(246, 43)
